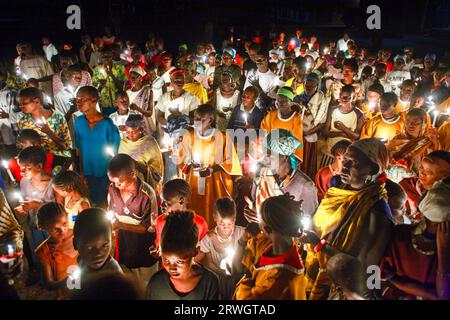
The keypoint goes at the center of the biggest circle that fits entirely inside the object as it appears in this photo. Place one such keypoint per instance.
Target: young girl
(219, 244)
(181, 278)
(277, 271)
(74, 192)
(226, 97)
(57, 253)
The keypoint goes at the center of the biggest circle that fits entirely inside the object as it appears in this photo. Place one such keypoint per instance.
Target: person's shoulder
(42, 250)
(305, 179)
(209, 277)
(199, 219)
(158, 279)
(147, 189)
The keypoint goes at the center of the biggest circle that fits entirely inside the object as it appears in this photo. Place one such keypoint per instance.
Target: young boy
(324, 175)
(246, 115)
(176, 195)
(135, 206)
(29, 138)
(181, 278)
(123, 111)
(371, 107)
(386, 125)
(92, 239)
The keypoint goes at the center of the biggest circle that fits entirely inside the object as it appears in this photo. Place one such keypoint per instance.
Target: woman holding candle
(224, 99)
(208, 162)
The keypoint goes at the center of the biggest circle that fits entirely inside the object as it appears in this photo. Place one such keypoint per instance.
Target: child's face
(123, 102)
(61, 192)
(123, 182)
(94, 252)
(173, 203)
(225, 226)
(23, 144)
(60, 228)
(29, 170)
(178, 265)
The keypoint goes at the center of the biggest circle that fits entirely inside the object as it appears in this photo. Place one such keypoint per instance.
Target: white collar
(248, 112)
(390, 122)
(207, 137)
(285, 120)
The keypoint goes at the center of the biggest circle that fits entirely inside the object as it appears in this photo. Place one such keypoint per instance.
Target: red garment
(290, 258)
(142, 64)
(323, 178)
(389, 65)
(198, 220)
(15, 168)
(413, 196)
(405, 261)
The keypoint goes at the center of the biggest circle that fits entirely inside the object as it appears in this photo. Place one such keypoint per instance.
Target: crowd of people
(272, 168)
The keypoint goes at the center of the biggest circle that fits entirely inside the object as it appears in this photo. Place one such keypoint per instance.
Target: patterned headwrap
(375, 150)
(284, 143)
(230, 51)
(283, 91)
(435, 206)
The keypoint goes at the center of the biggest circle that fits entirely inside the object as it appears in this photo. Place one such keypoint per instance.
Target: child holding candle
(135, 206)
(181, 278)
(92, 239)
(218, 245)
(74, 194)
(36, 189)
(56, 253)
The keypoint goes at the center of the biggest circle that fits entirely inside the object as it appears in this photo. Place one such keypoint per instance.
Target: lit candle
(71, 89)
(226, 262)
(6, 166)
(245, 116)
(111, 215)
(197, 158)
(436, 116)
(103, 72)
(10, 250)
(325, 50)
(75, 274)
(253, 167)
(167, 141)
(47, 99)
(383, 139)
(306, 222)
(372, 105)
(109, 150)
(18, 196)
(308, 65)
(126, 52)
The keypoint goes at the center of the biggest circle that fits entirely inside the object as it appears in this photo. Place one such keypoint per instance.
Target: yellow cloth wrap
(348, 210)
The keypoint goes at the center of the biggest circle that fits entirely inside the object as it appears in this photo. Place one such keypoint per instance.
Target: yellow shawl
(340, 219)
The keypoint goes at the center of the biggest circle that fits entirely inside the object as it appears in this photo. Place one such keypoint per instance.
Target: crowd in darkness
(275, 167)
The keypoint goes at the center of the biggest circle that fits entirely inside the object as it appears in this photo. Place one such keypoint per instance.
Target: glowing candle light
(372, 105)
(103, 72)
(10, 250)
(197, 158)
(436, 116)
(6, 166)
(306, 222)
(109, 150)
(110, 215)
(226, 262)
(326, 50)
(75, 274)
(308, 65)
(18, 195)
(245, 116)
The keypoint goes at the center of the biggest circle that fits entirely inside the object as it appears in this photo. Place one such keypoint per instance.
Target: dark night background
(423, 24)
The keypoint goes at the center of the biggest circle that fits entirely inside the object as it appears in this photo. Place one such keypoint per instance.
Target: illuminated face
(345, 99)
(135, 78)
(261, 61)
(355, 168)
(406, 93)
(75, 79)
(173, 203)
(430, 172)
(61, 192)
(28, 105)
(60, 228)
(413, 126)
(29, 170)
(202, 122)
(123, 182)
(310, 87)
(347, 72)
(248, 99)
(178, 81)
(178, 265)
(134, 134)
(85, 102)
(225, 226)
(123, 102)
(388, 112)
(95, 252)
(283, 104)
(373, 97)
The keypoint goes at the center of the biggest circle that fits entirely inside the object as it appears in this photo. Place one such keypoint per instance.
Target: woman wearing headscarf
(280, 174)
(408, 148)
(144, 150)
(275, 267)
(417, 262)
(285, 116)
(353, 220)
